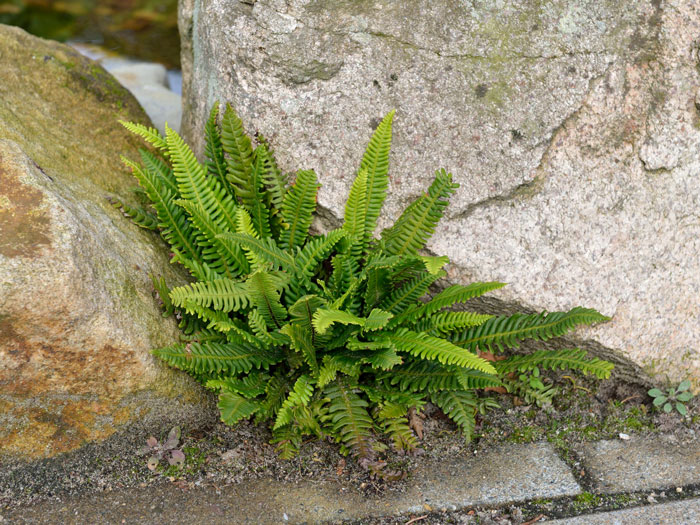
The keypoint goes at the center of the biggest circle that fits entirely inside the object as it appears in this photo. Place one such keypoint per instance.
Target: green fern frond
(175, 228)
(447, 322)
(275, 181)
(265, 249)
(159, 169)
(397, 427)
(234, 407)
(264, 291)
(507, 331)
(375, 162)
(256, 206)
(224, 295)
(572, 359)
(460, 407)
(207, 358)
(315, 251)
(199, 270)
(301, 340)
(356, 213)
(379, 358)
(194, 186)
(348, 418)
(214, 151)
(435, 263)
(250, 386)
(417, 224)
(225, 258)
(239, 156)
(150, 135)
(138, 215)
(298, 206)
(428, 376)
(455, 294)
(324, 318)
(161, 288)
(433, 348)
(410, 292)
(298, 397)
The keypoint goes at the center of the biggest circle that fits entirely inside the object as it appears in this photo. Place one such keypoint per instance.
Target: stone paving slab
(625, 466)
(676, 513)
(510, 474)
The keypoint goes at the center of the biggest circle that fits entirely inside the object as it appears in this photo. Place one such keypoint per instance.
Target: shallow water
(144, 29)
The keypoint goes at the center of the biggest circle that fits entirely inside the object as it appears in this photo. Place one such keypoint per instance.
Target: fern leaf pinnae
(326, 334)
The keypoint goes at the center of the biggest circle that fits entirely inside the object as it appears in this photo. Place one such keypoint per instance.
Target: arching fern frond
(172, 219)
(433, 348)
(250, 386)
(446, 322)
(224, 295)
(150, 135)
(298, 206)
(298, 397)
(417, 224)
(375, 162)
(572, 359)
(356, 213)
(460, 407)
(347, 417)
(256, 206)
(265, 249)
(427, 376)
(239, 156)
(275, 181)
(138, 215)
(225, 258)
(194, 186)
(234, 407)
(454, 294)
(159, 169)
(206, 358)
(410, 292)
(265, 295)
(507, 331)
(214, 151)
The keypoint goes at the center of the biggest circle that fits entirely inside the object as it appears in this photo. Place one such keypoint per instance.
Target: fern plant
(324, 335)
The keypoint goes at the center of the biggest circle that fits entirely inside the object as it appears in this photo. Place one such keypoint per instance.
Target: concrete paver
(506, 475)
(626, 466)
(676, 513)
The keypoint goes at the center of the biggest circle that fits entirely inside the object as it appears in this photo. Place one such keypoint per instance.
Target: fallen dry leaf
(415, 422)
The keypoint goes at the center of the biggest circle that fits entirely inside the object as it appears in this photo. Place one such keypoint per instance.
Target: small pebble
(624, 437)
(679, 489)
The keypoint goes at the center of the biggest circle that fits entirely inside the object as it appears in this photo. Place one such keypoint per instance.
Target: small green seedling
(678, 395)
(168, 449)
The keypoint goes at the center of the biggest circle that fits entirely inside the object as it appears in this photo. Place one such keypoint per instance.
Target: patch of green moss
(586, 500)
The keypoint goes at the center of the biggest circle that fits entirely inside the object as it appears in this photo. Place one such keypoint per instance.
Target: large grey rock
(572, 127)
(77, 314)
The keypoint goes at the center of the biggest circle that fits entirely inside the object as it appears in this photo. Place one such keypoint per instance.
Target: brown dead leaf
(489, 356)
(497, 389)
(415, 422)
(340, 468)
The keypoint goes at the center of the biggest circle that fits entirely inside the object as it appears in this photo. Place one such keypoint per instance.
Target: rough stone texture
(572, 126)
(676, 513)
(511, 474)
(625, 466)
(77, 316)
